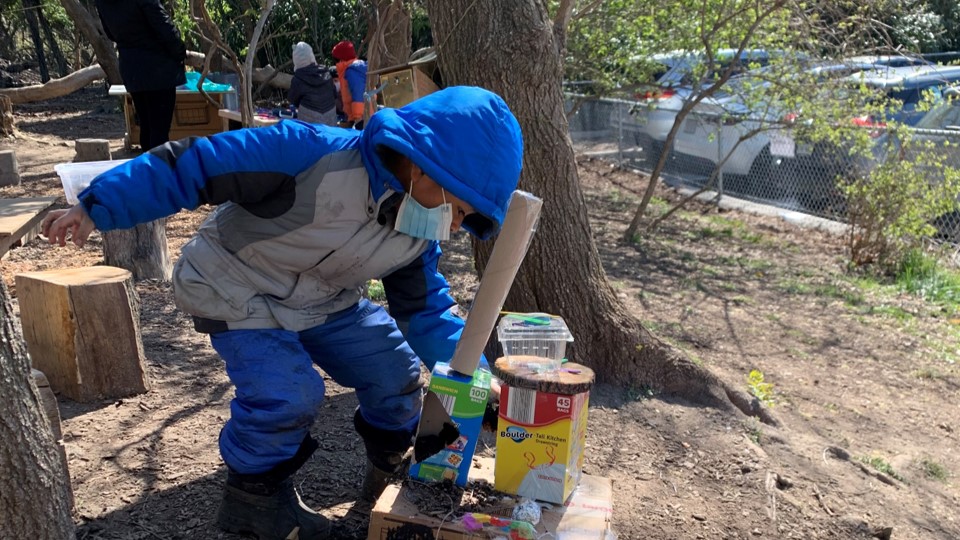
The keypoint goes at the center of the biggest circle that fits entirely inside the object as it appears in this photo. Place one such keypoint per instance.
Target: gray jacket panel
(293, 270)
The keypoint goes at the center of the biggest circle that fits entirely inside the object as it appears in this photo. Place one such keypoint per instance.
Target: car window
(913, 96)
(943, 115)
(683, 74)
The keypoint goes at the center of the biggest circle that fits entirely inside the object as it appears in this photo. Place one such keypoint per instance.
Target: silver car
(652, 117)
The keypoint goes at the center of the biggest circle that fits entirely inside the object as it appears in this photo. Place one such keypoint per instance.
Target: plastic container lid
(539, 326)
(537, 335)
(75, 177)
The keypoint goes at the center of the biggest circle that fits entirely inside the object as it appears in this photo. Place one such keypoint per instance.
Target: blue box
(464, 397)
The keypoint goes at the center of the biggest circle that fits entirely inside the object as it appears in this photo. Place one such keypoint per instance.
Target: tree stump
(142, 249)
(48, 402)
(9, 171)
(92, 150)
(82, 330)
(6, 117)
(521, 372)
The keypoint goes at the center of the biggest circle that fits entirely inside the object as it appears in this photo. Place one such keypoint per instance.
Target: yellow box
(540, 442)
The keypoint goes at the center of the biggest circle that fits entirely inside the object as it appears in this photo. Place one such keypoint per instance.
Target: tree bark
(89, 25)
(142, 250)
(34, 487)
(8, 45)
(512, 49)
(7, 128)
(30, 9)
(390, 36)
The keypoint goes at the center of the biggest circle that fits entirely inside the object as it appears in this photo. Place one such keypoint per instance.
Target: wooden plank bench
(20, 220)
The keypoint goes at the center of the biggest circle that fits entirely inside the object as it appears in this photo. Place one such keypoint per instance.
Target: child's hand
(58, 223)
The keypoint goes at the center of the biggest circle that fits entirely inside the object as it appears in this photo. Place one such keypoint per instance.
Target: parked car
(652, 117)
(746, 129)
(890, 60)
(908, 87)
(937, 131)
(761, 160)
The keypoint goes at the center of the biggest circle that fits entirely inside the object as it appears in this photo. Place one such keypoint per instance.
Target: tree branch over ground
(710, 39)
(79, 79)
(89, 25)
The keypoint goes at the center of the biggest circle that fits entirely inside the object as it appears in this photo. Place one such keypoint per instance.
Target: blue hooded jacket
(289, 196)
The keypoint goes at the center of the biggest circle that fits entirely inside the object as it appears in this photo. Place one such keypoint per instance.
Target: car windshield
(688, 71)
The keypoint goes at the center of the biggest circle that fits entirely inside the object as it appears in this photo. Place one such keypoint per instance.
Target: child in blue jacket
(306, 215)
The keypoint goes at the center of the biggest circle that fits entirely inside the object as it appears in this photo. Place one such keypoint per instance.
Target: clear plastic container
(534, 334)
(75, 177)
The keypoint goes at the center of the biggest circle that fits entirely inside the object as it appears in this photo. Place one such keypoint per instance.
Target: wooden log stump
(48, 402)
(530, 372)
(9, 171)
(6, 117)
(92, 150)
(141, 249)
(82, 330)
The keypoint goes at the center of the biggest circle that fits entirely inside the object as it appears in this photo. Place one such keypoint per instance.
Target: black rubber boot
(267, 506)
(269, 512)
(388, 456)
(375, 481)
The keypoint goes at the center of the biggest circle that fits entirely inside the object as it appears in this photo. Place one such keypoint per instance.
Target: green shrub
(891, 208)
(760, 389)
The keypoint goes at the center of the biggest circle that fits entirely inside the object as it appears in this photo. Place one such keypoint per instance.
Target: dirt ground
(859, 373)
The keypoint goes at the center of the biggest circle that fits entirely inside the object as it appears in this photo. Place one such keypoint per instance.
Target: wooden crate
(192, 116)
(405, 85)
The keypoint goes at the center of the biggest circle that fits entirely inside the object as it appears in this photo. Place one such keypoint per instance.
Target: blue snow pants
(278, 393)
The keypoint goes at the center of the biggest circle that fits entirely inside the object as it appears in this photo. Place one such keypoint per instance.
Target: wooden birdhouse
(407, 82)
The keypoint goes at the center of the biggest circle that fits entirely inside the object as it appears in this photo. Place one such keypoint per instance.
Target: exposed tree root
(658, 365)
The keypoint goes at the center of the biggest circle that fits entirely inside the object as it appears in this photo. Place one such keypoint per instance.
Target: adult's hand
(75, 221)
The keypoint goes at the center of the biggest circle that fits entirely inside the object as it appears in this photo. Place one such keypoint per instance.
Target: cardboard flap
(510, 248)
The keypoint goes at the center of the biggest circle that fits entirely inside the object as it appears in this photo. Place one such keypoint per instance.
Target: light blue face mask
(418, 221)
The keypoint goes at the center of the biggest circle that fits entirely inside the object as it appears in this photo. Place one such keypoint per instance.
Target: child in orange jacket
(352, 73)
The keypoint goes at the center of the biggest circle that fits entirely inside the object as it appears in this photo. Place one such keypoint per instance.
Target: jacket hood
(313, 75)
(464, 138)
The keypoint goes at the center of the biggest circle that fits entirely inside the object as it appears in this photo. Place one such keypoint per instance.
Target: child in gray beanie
(312, 89)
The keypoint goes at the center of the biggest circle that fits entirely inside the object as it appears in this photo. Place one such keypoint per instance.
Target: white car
(743, 126)
(805, 175)
(653, 115)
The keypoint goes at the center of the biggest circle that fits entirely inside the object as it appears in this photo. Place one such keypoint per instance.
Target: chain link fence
(768, 167)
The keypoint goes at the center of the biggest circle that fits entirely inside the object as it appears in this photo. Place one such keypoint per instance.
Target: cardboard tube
(511, 246)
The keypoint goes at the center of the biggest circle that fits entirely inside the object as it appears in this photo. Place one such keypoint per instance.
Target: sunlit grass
(924, 276)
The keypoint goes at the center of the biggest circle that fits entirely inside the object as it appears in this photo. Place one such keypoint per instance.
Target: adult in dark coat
(151, 61)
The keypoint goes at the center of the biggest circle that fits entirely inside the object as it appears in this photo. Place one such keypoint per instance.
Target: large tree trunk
(31, 8)
(34, 496)
(89, 25)
(510, 48)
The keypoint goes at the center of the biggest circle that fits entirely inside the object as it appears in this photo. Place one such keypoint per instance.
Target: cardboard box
(585, 516)
(464, 398)
(540, 442)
